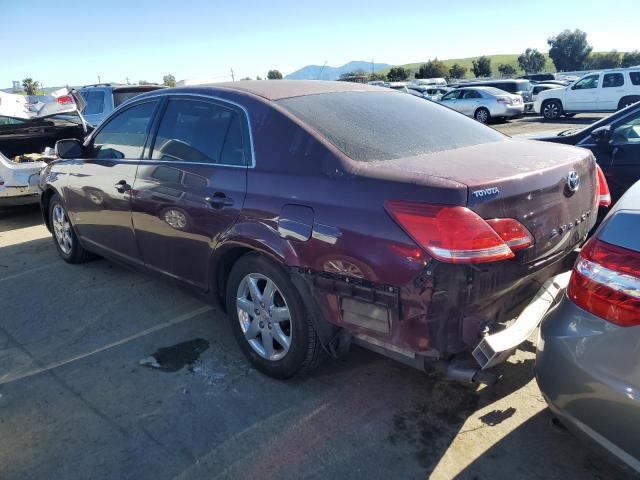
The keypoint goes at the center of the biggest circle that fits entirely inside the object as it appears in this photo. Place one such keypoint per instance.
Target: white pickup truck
(29, 129)
(605, 91)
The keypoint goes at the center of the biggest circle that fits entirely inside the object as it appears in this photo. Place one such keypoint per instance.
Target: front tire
(482, 115)
(269, 319)
(552, 110)
(64, 237)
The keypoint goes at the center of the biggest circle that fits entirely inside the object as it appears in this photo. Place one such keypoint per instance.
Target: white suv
(605, 91)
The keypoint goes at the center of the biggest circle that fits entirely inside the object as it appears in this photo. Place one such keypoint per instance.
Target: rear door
(99, 190)
(191, 188)
(611, 91)
(468, 102)
(583, 95)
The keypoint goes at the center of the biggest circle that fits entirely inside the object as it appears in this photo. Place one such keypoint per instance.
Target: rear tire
(552, 109)
(627, 101)
(482, 115)
(64, 236)
(269, 320)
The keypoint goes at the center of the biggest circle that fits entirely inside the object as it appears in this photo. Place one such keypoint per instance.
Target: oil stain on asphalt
(176, 357)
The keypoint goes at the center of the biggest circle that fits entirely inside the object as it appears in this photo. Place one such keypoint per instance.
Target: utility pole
(322, 69)
(372, 66)
(233, 78)
(127, 80)
(99, 79)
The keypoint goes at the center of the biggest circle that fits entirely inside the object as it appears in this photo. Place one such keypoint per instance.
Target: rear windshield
(122, 95)
(370, 126)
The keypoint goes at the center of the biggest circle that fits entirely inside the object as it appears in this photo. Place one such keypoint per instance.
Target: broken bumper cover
(19, 182)
(496, 348)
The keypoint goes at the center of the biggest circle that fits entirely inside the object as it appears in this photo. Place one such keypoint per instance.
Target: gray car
(484, 103)
(103, 98)
(588, 359)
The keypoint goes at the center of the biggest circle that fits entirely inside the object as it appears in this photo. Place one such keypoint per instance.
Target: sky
(70, 42)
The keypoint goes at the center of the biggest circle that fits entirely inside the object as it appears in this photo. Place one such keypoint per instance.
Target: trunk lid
(519, 179)
(35, 107)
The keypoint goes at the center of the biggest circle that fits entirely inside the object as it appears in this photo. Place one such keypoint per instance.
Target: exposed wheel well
(44, 204)
(222, 269)
(624, 100)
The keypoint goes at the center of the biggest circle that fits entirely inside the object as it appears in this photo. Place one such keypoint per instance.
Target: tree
(506, 70)
(377, 76)
(274, 75)
(457, 71)
(246, 78)
(351, 75)
(144, 82)
(432, 69)
(569, 50)
(631, 59)
(169, 80)
(258, 77)
(398, 74)
(598, 61)
(30, 86)
(532, 61)
(482, 67)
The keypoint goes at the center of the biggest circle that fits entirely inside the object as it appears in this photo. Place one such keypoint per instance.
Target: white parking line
(174, 321)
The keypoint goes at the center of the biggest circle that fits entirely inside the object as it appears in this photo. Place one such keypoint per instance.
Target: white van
(605, 91)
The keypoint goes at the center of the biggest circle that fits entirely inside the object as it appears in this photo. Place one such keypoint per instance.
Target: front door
(624, 169)
(191, 189)
(99, 190)
(583, 95)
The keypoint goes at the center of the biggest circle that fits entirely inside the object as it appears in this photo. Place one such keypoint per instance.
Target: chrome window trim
(247, 117)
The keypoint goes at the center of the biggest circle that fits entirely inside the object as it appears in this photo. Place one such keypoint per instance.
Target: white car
(29, 129)
(606, 91)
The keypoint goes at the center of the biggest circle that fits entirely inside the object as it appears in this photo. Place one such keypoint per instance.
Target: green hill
(509, 59)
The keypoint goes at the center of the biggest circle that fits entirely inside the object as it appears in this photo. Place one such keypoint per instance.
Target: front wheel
(64, 237)
(269, 319)
(482, 115)
(552, 110)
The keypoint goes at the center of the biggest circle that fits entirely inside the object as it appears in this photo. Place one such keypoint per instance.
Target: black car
(538, 77)
(615, 142)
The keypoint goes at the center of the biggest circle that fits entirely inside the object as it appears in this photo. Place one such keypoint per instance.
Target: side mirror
(602, 135)
(69, 148)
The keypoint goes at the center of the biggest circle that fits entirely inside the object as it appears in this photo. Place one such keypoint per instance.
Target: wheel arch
(626, 98)
(45, 201)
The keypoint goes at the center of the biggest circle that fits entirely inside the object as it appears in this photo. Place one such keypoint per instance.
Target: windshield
(370, 126)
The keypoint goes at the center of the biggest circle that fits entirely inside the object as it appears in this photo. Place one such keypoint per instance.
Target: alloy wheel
(62, 229)
(551, 110)
(482, 116)
(264, 316)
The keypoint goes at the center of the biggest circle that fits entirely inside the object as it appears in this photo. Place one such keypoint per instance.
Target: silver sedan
(484, 103)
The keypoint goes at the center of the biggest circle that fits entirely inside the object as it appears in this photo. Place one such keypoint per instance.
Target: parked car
(538, 77)
(484, 103)
(401, 86)
(605, 91)
(319, 213)
(615, 142)
(429, 92)
(516, 87)
(541, 87)
(430, 81)
(29, 129)
(587, 363)
(101, 99)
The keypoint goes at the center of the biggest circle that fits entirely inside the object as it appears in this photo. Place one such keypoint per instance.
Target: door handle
(219, 200)
(122, 186)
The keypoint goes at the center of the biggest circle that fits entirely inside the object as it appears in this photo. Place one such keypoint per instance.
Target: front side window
(452, 95)
(612, 80)
(587, 82)
(125, 134)
(95, 102)
(201, 132)
(628, 132)
(374, 126)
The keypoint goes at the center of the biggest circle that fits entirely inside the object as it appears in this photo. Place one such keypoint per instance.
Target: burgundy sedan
(321, 213)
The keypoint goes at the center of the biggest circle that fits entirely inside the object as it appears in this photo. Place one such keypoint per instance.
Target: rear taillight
(456, 234)
(602, 189)
(512, 232)
(505, 100)
(64, 99)
(606, 282)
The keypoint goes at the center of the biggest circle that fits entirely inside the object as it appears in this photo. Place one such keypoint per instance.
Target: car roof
(279, 89)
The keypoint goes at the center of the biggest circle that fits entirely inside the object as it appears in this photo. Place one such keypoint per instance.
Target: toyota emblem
(573, 181)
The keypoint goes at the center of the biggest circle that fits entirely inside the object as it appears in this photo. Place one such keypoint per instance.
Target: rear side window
(198, 131)
(635, 77)
(370, 126)
(122, 95)
(124, 135)
(612, 80)
(95, 102)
